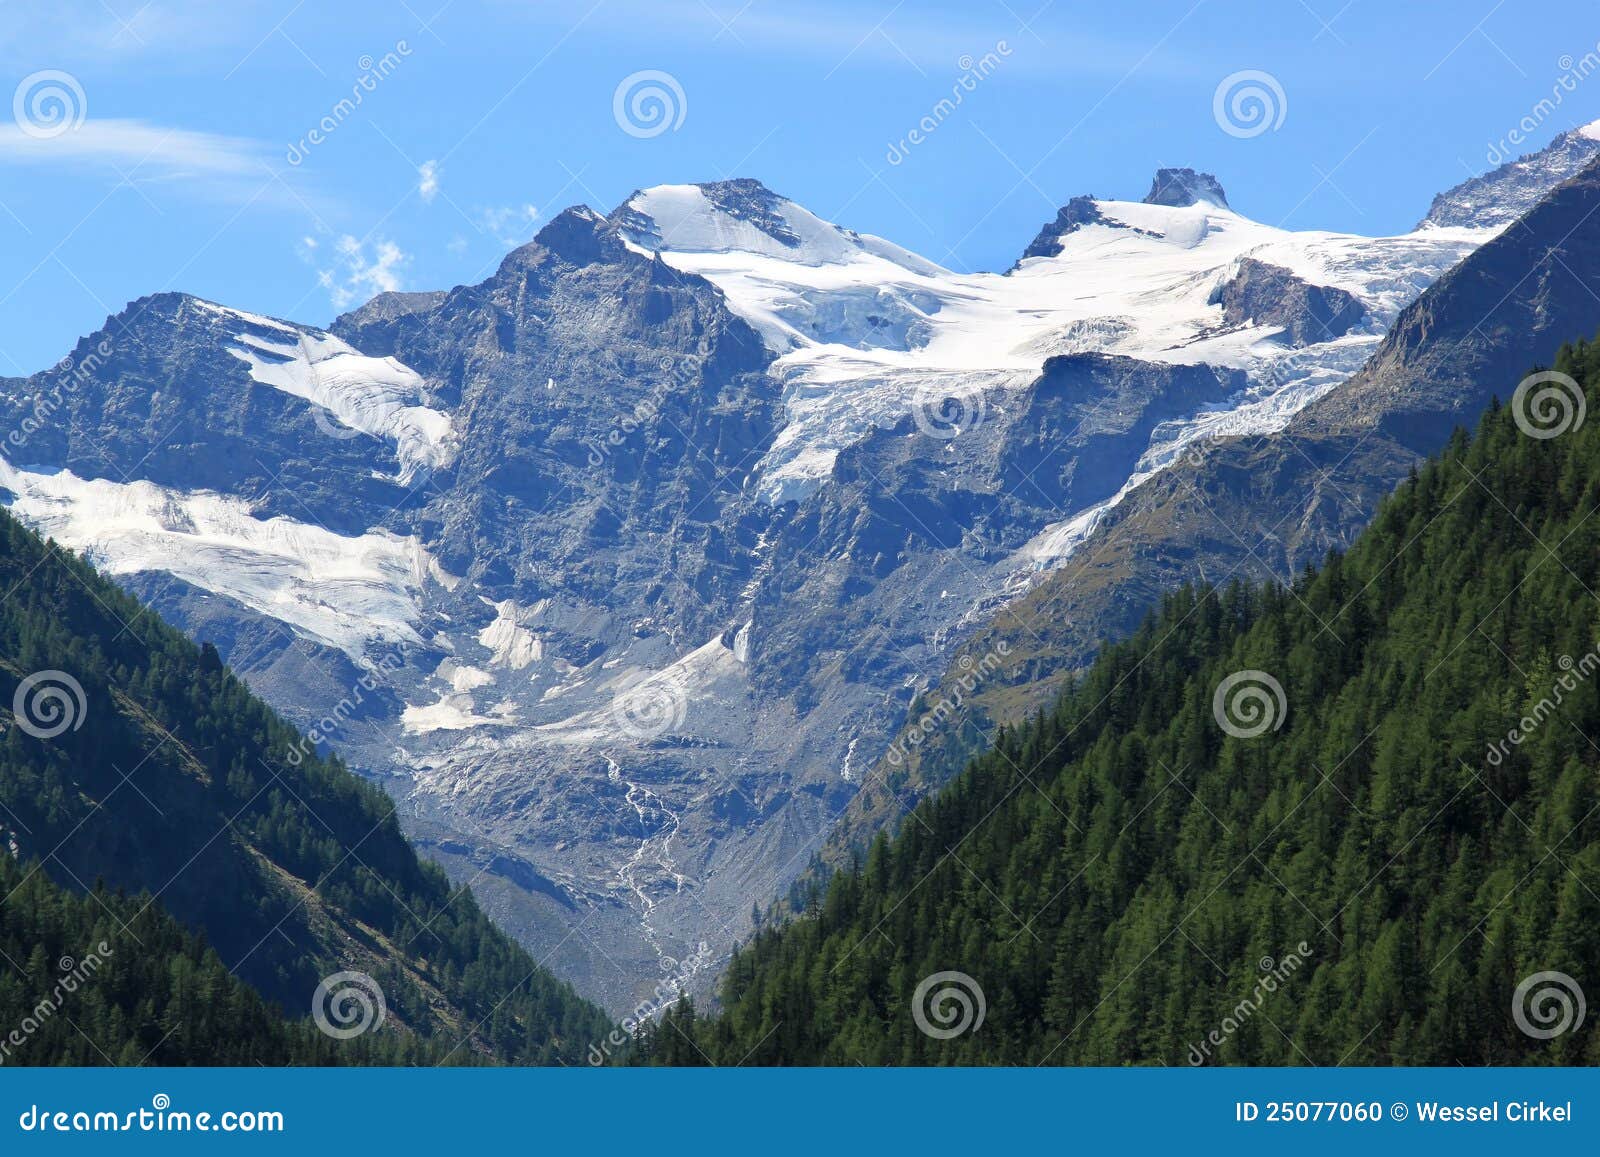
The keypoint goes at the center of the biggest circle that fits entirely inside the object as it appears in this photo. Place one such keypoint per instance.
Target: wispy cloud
(122, 29)
(428, 181)
(190, 163)
(133, 144)
(137, 150)
(356, 276)
(511, 225)
(842, 33)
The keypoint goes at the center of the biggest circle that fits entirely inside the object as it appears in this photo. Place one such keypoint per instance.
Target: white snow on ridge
(1263, 407)
(686, 220)
(348, 592)
(381, 397)
(862, 333)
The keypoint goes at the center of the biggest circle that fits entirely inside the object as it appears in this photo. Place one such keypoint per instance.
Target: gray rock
(1183, 187)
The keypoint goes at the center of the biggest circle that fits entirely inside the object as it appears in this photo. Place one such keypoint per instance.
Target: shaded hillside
(108, 979)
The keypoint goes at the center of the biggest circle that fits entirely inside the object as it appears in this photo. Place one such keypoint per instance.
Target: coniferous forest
(1399, 841)
(229, 867)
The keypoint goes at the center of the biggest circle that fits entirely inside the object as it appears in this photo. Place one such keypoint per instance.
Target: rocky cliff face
(1500, 196)
(1181, 187)
(1262, 294)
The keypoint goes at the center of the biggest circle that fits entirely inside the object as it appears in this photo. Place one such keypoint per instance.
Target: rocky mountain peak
(1500, 196)
(707, 214)
(1071, 217)
(1183, 187)
(747, 199)
(577, 235)
(392, 306)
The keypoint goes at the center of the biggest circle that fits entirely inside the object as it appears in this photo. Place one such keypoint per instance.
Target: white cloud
(134, 145)
(358, 278)
(428, 181)
(511, 225)
(188, 163)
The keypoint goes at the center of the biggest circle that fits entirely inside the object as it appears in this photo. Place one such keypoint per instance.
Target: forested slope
(1398, 840)
(131, 757)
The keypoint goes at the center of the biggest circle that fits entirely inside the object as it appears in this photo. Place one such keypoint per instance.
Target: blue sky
(185, 161)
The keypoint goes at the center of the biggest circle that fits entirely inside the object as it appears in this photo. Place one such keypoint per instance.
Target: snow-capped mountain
(621, 567)
(868, 335)
(1266, 506)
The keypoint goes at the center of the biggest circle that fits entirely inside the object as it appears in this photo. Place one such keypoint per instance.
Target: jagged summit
(709, 214)
(1499, 197)
(577, 234)
(747, 199)
(1178, 188)
(1071, 217)
(1183, 187)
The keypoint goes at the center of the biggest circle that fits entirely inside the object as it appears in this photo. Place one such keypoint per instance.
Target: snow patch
(512, 645)
(345, 591)
(380, 397)
(451, 713)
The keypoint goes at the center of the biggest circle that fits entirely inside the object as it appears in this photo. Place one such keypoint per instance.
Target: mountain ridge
(655, 530)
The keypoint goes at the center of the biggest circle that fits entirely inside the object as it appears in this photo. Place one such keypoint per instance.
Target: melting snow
(454, 712)
(513, 645)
